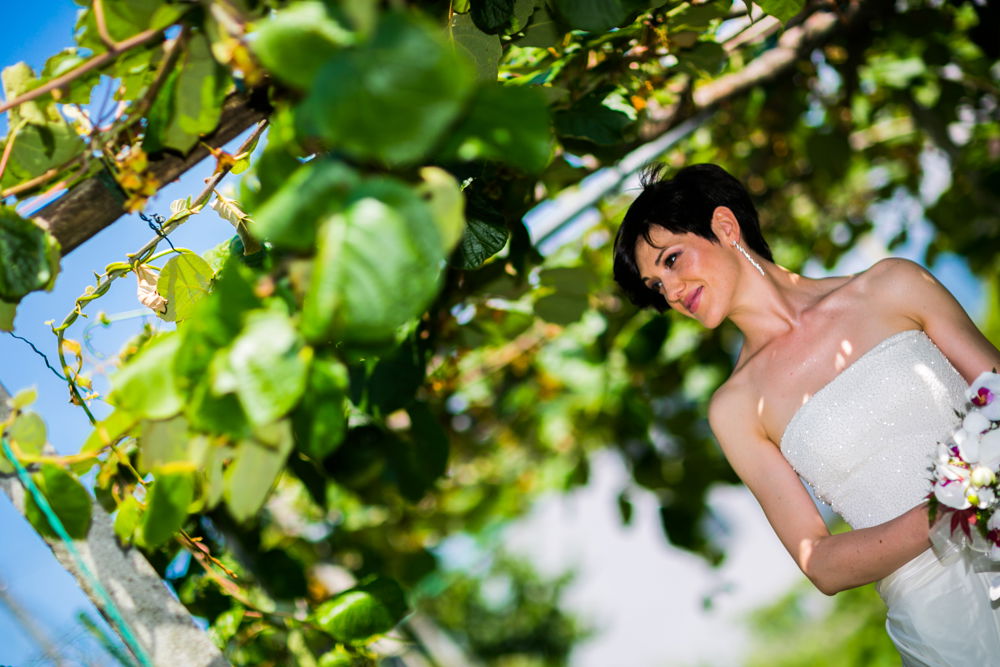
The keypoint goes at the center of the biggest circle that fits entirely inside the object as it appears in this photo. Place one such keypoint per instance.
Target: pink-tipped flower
(984, 392)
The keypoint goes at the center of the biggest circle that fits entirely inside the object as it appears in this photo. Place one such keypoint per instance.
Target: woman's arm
(832, 562)
(935, 310)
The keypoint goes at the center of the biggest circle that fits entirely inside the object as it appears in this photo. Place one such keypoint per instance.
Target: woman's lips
(691, 303)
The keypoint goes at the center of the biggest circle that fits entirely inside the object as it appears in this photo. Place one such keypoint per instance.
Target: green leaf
(443, 196)
(310, 195)
(253, 472)
(390, 99)
(167, 504)
(593, 121)
(295, 42)
(568, 300)
(783, 10)
(7, 312)
(592, 15)
(542, 32)
(369, 609)
(705, 58)
(696, 18)
(509, 124)
(28, 433)
(269, 365)
(491, 16)
(23, 398)
(190, 103)
(226, 624)
(424, 459)
(162, 442)
(483, 50)
(184, 280)
(26, 253)
(127, 519)
(68, 499)
(338, 657)
(485, 235)
(108, 431)
(320, 421)
(145, 386)
(377, 265)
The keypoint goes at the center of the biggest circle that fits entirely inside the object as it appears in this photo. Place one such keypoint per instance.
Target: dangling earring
(754, 262)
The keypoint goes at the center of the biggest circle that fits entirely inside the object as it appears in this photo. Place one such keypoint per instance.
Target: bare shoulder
(731, 407)
(894, 273)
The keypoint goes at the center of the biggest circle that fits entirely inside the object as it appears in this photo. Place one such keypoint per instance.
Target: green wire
(110, 608)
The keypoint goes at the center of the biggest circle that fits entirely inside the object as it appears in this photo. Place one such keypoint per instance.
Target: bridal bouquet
(965, 502)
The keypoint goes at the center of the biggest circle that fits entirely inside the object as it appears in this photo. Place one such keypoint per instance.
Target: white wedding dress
(865, 443)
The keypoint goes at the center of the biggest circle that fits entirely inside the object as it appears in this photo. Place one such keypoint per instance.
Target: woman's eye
(657, 286)
(671, 259)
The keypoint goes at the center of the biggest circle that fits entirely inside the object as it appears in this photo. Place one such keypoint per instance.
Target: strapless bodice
(865, 442)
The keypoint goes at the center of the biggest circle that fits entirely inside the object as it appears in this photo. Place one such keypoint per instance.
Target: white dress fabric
(865, 443)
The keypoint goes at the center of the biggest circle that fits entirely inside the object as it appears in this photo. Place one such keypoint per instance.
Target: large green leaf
(28, 433)
(599, 15)
(377, 265)
(594, 121)
(163, 442)
(320, 420)
(392, 98)
(308, 196)
(255, 467)
(190, 103)
(486, 232)
(783, 10)
(67, 498)
(372, 608)
(508, 124)
(146, 385)
(269, 365)
(167, 504)
(295, 42)
(184, 281)
(28, 256)
(482, 49)
(491, 16)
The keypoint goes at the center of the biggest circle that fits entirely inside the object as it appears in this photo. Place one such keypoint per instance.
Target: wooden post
(160, 623)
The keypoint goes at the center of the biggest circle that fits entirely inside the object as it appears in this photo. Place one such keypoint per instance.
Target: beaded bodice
(865, 441)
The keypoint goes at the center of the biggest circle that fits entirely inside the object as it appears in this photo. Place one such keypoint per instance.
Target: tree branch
(93, 63)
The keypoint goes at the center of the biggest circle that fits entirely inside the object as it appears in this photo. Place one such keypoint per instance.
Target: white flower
(943, 453)
(985, 395)
(982, 497)
(952, 494)
(989, 449)
(968, 445)
(982, 476)
(975, 422)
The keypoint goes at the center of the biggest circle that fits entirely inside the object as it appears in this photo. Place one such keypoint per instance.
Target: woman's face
(693, 274)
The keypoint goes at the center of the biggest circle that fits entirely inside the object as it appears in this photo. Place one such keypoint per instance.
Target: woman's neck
(771, 305)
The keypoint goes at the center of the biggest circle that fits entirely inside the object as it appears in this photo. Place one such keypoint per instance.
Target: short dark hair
(682, 204)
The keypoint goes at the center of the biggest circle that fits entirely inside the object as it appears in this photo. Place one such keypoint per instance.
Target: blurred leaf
(372, 608)
(127, 519)
(26, 256)
(443, 196)
(167, 504)
(377, 265)
(314, 192)
(254, 470)
(66, 496)
(320, 420)
(163, 442)
(783, 10)
(28, 433)
(509, 124)
(146, 386)
(269, 364)
(297, 40)
(7, 312)
(389, 99)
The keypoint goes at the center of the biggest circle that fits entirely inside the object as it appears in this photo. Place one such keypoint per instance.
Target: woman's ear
(725, 226)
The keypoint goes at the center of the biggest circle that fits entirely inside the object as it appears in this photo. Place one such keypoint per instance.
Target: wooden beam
(97, 202)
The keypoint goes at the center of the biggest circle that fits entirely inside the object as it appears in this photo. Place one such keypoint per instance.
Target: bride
(847, 382)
